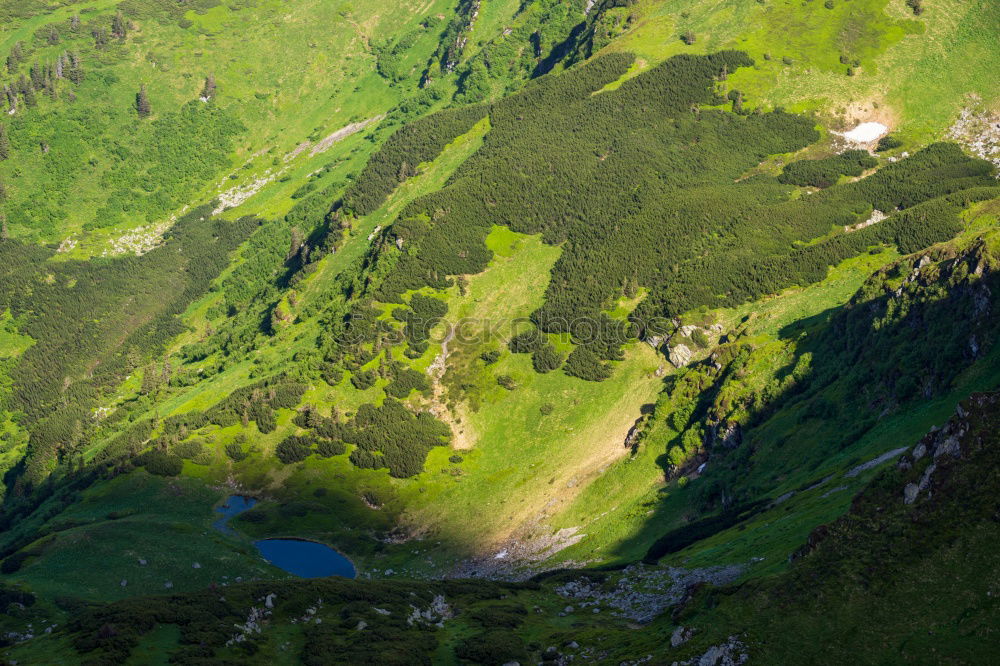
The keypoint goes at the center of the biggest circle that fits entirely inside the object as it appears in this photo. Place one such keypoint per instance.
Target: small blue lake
(299, 557)
(306, 559)
(232, 507)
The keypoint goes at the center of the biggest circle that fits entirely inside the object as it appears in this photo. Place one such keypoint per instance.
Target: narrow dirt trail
(460, 439)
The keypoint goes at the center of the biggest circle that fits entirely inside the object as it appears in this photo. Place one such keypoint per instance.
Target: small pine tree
(37, 76)
(208, 91)
(15, 57)
(119, 28)
(29, 98)
(688, 38)
(297, 240)
(4, 143)
(4, 232)
(142, 105)
(75, 68)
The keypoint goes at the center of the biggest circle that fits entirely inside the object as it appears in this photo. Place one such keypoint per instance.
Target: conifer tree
(4, 143)
(37, 76)
(100, 37)
(119, 27)
(15, 57)
(4, 232)
(75, 68)
(150, 380)
(208, 91)
(142, 102)
(29, 97)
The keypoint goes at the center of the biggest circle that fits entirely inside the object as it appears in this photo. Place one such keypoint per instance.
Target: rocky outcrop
(730, 653)
(680, 355)
(943, 442)
(642, 592)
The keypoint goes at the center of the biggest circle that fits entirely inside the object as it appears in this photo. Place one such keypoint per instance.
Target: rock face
(643, 592)
(943, 442)
(655, 341)
(730, 653)
(680, 636)
(729, 435)
(680, 355)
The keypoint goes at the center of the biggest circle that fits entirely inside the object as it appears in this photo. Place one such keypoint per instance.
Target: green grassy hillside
(486, 290)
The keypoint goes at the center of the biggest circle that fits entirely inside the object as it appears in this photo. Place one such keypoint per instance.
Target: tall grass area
(285, 76)
(914, 72)
(648, 501)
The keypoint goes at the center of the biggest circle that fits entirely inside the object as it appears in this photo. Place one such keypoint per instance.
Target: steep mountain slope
(867, 573)
(488, 289)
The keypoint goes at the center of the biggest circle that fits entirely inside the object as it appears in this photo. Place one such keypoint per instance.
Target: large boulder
(680, 355)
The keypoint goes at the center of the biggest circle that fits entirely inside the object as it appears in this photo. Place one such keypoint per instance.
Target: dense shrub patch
(825, 172)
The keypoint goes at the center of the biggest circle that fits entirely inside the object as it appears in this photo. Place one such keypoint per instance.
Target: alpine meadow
(499, 332)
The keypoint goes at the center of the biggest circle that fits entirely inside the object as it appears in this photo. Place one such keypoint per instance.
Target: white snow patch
(865, 133)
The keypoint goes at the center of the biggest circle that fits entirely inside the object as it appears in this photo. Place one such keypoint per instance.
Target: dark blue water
(306, 559)
(232, 507)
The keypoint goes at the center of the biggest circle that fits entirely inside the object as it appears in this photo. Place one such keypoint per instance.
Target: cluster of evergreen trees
(893, 346)
(22, 90)
(825, 172)
(663, 205)
(387, 436)
(94, 322)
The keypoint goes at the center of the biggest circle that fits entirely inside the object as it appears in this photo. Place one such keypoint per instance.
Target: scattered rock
(979, 131)
(434, 615)
(680, 636)
(730, 653)
(643, 592)
(679, 355)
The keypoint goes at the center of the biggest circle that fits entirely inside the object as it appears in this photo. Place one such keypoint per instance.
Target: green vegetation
(825, 172)
(443, 234)
(483, 289)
